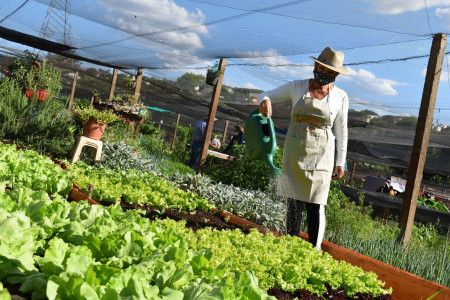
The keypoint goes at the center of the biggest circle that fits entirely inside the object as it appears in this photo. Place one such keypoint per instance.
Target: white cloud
(368, 82)
(227, 81)
(160, 17)
(393, 7)
(277, 63)
(444, 13)
(365, 104)
(250, 86)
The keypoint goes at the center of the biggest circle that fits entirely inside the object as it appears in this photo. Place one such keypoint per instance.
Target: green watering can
(260, 139)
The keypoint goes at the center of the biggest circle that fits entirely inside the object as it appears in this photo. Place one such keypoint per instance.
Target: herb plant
(102, 117)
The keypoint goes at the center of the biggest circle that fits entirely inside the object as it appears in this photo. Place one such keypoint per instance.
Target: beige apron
(308, 156)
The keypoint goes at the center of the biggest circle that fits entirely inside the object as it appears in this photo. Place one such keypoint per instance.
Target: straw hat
(240, 128)
(206, 118)
(331, 59)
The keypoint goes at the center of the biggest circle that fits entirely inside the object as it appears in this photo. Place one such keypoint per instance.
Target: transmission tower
(57, 24)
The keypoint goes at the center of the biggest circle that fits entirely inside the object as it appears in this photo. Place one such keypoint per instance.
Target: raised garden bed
(405, 285)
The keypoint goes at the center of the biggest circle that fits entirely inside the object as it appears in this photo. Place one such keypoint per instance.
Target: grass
(418, 258)
(351, 226)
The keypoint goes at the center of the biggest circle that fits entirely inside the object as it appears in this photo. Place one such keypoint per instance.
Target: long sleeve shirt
(199, 131)
(338, 104)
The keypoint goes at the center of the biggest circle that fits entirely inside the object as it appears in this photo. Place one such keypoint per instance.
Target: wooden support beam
(353, 173)
(113, 85)
(137, 88)
(175, 132)
(422, 137)
(211, 115)
(224, 137)
(72, 93)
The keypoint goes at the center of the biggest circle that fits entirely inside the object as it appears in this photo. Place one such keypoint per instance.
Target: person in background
(215, 142)
(318, 125)
(237, 139)
(197, 141)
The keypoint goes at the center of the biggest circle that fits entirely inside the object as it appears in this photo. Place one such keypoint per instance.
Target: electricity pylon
(57, 24)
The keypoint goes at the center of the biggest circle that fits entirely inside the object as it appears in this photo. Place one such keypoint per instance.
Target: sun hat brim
(336, 69)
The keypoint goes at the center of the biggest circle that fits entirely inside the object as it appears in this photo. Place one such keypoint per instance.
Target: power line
(372, 15)
(197, 25)
(428, 17)
(265, 10)
(311, 20)
(299, 65)
(14, 11)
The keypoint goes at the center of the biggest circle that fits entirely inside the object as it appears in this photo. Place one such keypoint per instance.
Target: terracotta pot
(38, 94)
(93, 130)
(78, 195)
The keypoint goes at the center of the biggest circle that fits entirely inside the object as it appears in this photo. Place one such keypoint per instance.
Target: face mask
(322, 78)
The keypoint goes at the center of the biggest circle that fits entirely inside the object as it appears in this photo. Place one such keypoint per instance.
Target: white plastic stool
(84, 141)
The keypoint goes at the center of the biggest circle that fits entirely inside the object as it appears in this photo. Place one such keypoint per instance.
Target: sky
(266, 42)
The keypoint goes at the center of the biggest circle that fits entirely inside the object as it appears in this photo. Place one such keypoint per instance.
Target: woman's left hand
(338, 172)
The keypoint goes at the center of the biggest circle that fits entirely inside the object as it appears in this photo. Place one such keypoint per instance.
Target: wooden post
(175, 132)
(113, 85)
(423, 128)
(72, 93)
(353, 173)
(90, 189)
(225, 132)
(211, 115)
(137, 88)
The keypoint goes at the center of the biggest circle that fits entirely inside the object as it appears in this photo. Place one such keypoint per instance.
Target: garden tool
(260, 139)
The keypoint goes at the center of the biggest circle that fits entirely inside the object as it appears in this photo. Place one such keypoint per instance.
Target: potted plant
(143, 112)
(94, 121)
(39, 79)
(212, 75)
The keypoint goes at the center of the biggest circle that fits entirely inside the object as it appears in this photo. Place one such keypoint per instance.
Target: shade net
(266, 43)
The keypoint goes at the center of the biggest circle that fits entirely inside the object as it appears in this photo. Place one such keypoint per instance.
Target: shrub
(245, 173)
(41, 124)
(103, 117)
(30, 74)
(184, 136)
(121, 156)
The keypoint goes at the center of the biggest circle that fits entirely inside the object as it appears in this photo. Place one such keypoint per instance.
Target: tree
(189, 81)
(407, 121)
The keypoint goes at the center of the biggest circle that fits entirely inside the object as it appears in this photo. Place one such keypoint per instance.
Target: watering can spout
(260, 139)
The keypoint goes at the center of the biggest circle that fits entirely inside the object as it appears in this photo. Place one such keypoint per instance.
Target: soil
(195, 219)
(331, 294)
(13, 289)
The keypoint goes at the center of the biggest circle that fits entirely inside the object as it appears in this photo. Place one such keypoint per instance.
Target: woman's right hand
(265, 108)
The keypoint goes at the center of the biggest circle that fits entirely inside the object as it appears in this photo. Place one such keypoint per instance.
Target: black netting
(266, 43)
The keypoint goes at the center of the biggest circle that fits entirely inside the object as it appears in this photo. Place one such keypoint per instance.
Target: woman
(238, 139)
(318, 125)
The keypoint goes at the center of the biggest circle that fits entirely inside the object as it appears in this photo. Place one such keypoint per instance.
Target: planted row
(131, 186)
(29, 169)
(59, 250)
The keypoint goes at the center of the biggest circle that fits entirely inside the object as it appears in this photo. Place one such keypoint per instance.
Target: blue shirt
(199, 131)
